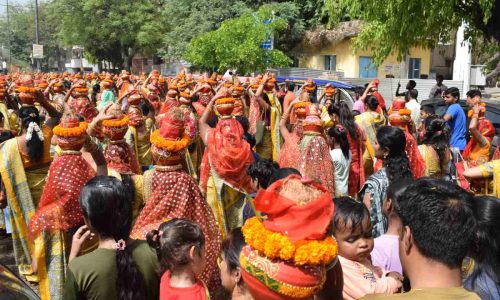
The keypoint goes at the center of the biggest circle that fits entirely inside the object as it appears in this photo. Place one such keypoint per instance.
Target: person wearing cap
(170, 192)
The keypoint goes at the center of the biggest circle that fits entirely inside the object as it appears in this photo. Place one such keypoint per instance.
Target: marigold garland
(169, 145)
(310, 88)
(276, 245)
(116, 123)
(24, 89)
(404, 111)
(81, 90)
(185, 95)
(71, 132)
(238, 88)
(224, 101)
(302, 104)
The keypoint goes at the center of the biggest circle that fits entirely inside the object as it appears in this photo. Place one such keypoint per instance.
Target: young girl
(180, 245)
(341, 157)
(353, 231)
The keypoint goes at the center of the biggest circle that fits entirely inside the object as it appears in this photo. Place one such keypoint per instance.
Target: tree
(187, 19)
(237, 43)
(111, 30)
(397, 25)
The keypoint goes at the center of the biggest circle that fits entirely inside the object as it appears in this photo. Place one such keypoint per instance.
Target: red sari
(315, 161)
(356, 171)
(290, 152)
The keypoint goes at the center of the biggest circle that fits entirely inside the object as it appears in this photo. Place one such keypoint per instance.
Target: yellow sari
(490, 169)
(370, 121)
(20, 204)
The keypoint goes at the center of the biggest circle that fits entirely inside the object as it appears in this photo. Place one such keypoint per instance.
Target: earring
(385, 155)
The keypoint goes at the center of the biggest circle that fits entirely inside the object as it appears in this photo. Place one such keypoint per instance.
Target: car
(346, 89)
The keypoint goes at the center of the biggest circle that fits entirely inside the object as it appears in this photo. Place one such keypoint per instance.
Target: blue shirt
(457, 125)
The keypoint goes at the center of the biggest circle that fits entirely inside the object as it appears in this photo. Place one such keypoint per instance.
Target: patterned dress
(376, 185)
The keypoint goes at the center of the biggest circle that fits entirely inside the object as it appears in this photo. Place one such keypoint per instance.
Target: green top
(457, 293)
(93, 276)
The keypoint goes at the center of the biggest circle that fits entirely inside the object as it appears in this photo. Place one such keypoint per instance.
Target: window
(330, 62)
(414, 68)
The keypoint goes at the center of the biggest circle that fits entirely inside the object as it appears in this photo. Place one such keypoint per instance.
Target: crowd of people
(123, 186)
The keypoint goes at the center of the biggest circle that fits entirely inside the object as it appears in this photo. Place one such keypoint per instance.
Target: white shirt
(341, 165)
(414, 106)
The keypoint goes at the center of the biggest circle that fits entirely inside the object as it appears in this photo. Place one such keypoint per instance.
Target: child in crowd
(180, 245)
(425, 112)
(385, 252)
(341, 157)
(353, 231)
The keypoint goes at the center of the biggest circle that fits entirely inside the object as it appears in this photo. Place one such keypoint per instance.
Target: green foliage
(397, 25)
(236, 43)
(111, 30)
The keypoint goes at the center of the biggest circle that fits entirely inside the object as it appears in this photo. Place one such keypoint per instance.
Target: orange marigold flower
(169, 145)
(116, 123)
(70, 132)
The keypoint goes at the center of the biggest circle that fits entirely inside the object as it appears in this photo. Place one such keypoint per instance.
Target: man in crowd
(455, 117)
(409, 86)
(414, 106)
(438, 230)
(438, 89)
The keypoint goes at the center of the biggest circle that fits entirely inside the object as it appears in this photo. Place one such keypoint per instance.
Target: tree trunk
(491, 78)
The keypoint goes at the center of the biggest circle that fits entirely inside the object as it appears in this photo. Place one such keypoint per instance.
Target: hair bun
(153, 239)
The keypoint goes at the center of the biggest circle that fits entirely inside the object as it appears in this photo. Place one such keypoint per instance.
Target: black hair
(2, 118)
(372, 102)
(243, 122)
(412, 84)
(290, 86)
(5, 135)
(396, 189)
(29, 114)
(428, 109)
(486, 250)
(145, 109)
(396, 163)
(231, 248)
(439, 76)
(106, 206)
(349, 210)
(172, 242)
(412, 94)
(355, 113)
(474, 93)
(346, 118)
(283, 173)
(441, 219)
(250, 139)
(453, 91)
(437, 134)
(262, 170)
(339, 135)
(359, 90)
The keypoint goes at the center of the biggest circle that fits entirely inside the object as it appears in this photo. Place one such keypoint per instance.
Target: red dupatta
(229, 155)
(59, 208)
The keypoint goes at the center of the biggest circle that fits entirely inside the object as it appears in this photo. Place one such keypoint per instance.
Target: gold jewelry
(70, 152)
(168, 168)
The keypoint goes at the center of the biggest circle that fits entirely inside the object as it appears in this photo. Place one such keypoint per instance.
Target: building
(332, 50)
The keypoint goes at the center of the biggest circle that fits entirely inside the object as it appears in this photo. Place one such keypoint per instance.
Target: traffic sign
(37, 51)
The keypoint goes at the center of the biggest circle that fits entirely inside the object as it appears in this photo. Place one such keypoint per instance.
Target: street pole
(37, 34)
(8, 34)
